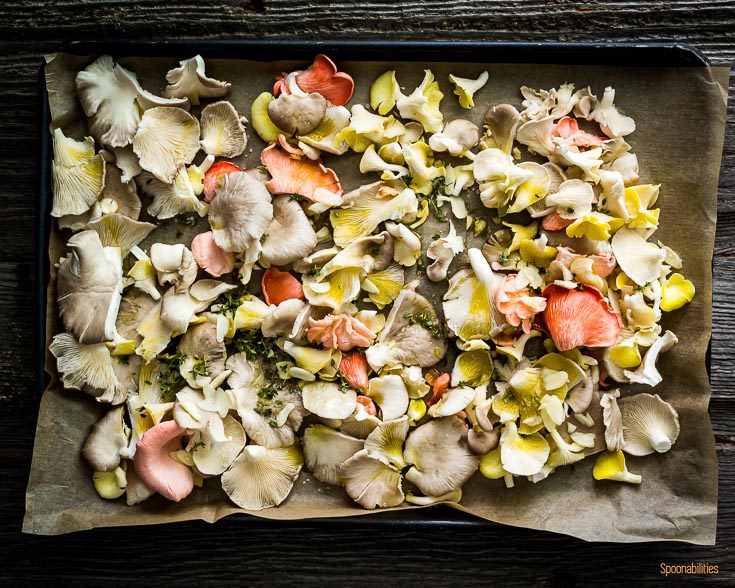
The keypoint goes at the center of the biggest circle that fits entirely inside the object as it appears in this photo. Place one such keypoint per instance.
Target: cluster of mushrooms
(292, 333)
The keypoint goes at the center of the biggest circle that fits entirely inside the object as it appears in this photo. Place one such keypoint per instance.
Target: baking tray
(610, 54)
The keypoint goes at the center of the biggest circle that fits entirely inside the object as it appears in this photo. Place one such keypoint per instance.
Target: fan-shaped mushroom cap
(297, 114)
(641, 261)
(200, 342)
(156, 468)
(78, 175)
(502, 121)
(108, 93)
(400, 341)
(89, 288)
(171, 199)
(340, 331)
(268, 422)
(441, 461)
(385, 442)
(116, 230)
(282, 319)
(456, 137)
(325, 399)
(647, 373)
(261, 478)
(118, 195)
(166, 138)
(649, 424)
(522, 455)
(325, 449)
(175, 265)
(322, 77)
(106, 440)
(222, 131)
(370, 482)
(390, 394)
(189, 80)
(211, 458)
(241, 212)
(211, 257)
(537, 136)
(126, 161)
(291, 235)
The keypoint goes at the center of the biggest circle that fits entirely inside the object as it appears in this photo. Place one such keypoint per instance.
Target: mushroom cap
(174, 264)
(211, 257)
(122, 195)
(370, 482)
(390, 394)
(322, 77)
(258, 416)
(297, 114)
(78, 175)
(340, 331)
(213, 457)
(502, 121)
(89, 288)
(641, 261)
(291, 235)
(200, 341)
(325, 449)
(170, 199)
(156, 468)
(325, 399)
(439, 455)
(241, 212)
(649, 424)
(282, 319)
(167, 138)
(107, 438)
(222, 132)
(522, 455)
(261, 478)
(117, 230)
(189, 80)
(280, 286)
(385, 442)
(126, 161)
(456, 137)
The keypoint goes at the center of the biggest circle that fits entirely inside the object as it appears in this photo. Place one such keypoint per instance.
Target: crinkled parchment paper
(680, 113)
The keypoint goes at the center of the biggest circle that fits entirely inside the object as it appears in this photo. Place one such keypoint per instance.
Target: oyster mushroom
(241, 212)
(322, 77)
(612, 123)
(325, 449)
(385, 442)
(354, 369)
(482, 442)
(282, 319)
(641, 261)
(171, 199)
(126, 161)
(136, 491)
(647, 373)
(297, 114)
(204, 354)
(466, 88)
(502, 121)
(390, 394)
(112, 99)
(613, 420)
(175, 265)
(442, 251)
(370, 482)
(118, 195)
(116, 230)
(327, 400)
(189, 80)
(452, 401)
(268, 422)
(610, 465)
(222, 132)
(537, 135)
(211, 457)
(410, 335)
(109, 436)
(110, 485)
(166, 138)
(157, 470)
(440, 459)
(340, 331)
(457, 137)
(210, 257)
(89, 288)
(78, 175)
(649, 424)
(522, 455)
(290, 234)
(261, 478)
(280, 286)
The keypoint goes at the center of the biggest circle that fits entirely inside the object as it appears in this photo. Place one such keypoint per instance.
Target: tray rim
(658, 54)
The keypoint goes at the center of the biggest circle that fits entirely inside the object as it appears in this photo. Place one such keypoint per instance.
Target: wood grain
(262, 553)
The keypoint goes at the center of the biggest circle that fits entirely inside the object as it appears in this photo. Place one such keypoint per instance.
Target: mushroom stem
(659, 441)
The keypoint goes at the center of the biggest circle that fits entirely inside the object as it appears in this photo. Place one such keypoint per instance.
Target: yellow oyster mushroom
(522, 455)
(382, 92)
(324, 136)
(250, 314)
(308, 358)
(466, 88)
(537, 251)
(110, 485)
(416, 410)
(422, 104)
(466, 307)
(261, 122)
(531, 190)
(677, 292)
(420, 161)
(611, 466)
(625, 284)
(520, 233)
(516, 350)
(595, 226)
(626, 354)
(384, 286)
(472, 368)
(561, 363)
(336, 291)
(491, 466)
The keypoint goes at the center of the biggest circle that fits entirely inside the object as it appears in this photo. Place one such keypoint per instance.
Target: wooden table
(261, 552)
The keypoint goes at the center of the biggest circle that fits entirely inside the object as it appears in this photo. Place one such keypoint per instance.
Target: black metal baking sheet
(610, 54)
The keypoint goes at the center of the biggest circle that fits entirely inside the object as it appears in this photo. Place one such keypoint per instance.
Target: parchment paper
(680, 114)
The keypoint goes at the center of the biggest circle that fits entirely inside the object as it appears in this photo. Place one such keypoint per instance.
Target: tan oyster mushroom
(502, 121)
(290, 234)
(136, 491)
(482, 442)
(171, 199)
(282, 319)
(112, 99)
(211, 457)
(613, 420)
(441, 461)
(325, 449)
(457, 137)
(536, 135)
(108, 437)
(222, 132)
(411, 335)
(78, 175)
(297, 114)
(89, 288)
(118, 195)
(166, 139)
(442, 251)
(360, 424)
(269, 422)
(117, 230)
(241, 212)
(261, 478)
(87, 367)
(193, 411)
(649, 424)
(175, 265)
(370, 482)
(204, 355)
(190, 80)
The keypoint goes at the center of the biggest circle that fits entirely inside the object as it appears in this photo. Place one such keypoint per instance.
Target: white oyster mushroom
(612, 198)
(613, 420)
(270, 422)
(175, 265)
(171, 199)
(573, 199)
(406, 244)
(191, 412)
(522, 455)
(211, 457)
(646, 373)
(166, 139)
(453, 401)
(360, 424)
(222, 132)
(611, 122)
(87, 367)
(457, 137)
(327, 400)
(588, 162)
(78, 175)
(649, 424)
(442, 251)
(441, 461)
(497, 176)
(390, 394)
(281, 320)
(241, 212)
(290, 235)
(117, 196)
(112, 99)
(89, 288)
(116, 230)
(323, 137)
(537, 136)
(178, 309)
(262, 478)
(106, 440)
(416, 385)
(190, 80)
(127, 163)
(641, 261)
(502, 122)
(370, 482)
(325, 449)
(385, 442)
(627, 166)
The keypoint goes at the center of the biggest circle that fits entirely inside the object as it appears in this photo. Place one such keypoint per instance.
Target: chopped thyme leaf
(187, 220)
(423, 319)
